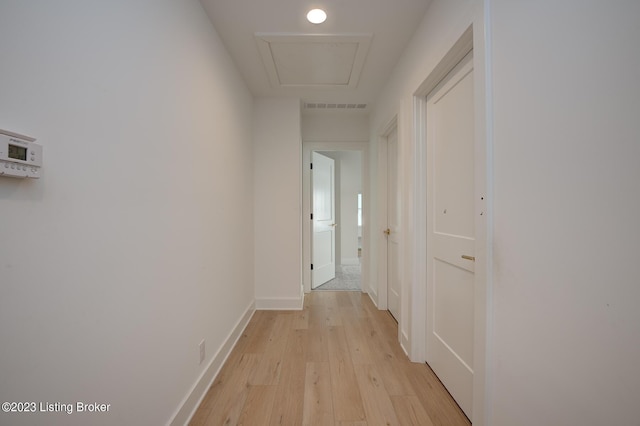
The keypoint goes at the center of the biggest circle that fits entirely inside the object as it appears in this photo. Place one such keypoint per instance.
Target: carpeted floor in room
(347, 278)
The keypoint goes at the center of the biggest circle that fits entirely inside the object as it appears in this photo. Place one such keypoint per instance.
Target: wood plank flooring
(337, 362)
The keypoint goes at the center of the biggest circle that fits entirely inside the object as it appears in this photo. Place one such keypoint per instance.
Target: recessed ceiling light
(316, 16)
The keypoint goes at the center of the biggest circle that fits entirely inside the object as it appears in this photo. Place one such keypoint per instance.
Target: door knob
(387, 231)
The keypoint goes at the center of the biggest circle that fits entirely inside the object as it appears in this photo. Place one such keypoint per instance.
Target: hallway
(336, 362)
(173, 202)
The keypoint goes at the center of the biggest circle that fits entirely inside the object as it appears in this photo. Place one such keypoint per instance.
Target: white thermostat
(20, 156)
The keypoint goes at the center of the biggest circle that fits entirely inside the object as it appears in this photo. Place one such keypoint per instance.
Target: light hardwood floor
(337, 362)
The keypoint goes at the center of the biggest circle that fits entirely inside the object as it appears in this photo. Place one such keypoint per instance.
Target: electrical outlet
(202, 352)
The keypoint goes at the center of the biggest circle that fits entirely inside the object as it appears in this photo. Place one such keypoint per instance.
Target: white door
(393, 270)
(323, 210)
(451, 232)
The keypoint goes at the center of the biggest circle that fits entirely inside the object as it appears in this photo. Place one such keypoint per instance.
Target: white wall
(567, 238)
(351, 186)
(332, 127)
(564, 344)
(134, 244)
(278, 203)
(348, 168)
(443, 24)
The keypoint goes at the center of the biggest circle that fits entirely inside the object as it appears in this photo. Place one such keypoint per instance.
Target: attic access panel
(313, 60)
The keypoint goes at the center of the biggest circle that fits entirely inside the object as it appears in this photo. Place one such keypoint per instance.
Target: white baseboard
(404, 343)
(193, 399)
(374, 298)
(280, 303)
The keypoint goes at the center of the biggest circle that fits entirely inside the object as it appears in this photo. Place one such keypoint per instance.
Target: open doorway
(340, 241)
(349, 219)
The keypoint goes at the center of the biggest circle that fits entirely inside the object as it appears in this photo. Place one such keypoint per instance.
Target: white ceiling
(344, 61)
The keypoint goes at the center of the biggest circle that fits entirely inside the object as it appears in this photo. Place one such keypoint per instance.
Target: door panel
(454, 292)
(453, 164)
(323, 209)
(451, 232)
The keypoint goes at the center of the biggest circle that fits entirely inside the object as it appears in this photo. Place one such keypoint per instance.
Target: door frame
(320, 157)
(380, 294)
(307, 228)
(472, 39)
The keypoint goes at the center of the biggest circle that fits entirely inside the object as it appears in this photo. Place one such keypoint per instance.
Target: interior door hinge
(311, 216)
(312, 266)
(311, 166)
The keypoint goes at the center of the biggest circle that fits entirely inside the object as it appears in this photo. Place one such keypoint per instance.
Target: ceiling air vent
(323, 105)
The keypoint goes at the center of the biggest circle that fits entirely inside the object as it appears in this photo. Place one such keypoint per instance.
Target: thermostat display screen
(17, 152)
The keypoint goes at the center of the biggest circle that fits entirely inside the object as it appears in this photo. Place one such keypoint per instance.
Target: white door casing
(451, 232)
(324, 225)
(393, 209)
